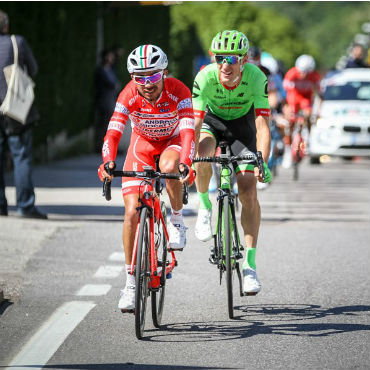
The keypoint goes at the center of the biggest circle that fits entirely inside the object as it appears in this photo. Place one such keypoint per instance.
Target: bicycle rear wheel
(227, 243)
(158, 295)
(142, 273)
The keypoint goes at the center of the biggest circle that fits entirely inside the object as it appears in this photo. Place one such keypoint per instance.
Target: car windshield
(356, 90)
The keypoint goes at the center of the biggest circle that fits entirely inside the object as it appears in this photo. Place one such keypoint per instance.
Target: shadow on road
(271, 319)
(121, 366)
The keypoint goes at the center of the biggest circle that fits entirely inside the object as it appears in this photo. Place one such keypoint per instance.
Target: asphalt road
(64, 275)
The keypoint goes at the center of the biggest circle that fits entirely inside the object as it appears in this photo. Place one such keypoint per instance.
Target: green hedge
(63, 37)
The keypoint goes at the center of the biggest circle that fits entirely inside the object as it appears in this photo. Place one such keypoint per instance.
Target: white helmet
(269, 62)
(305, 63)
(146, 58)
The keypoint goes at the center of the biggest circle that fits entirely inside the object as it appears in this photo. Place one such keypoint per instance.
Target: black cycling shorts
(238, 133)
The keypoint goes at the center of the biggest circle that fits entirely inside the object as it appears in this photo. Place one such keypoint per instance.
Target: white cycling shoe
(177, 235)
(203, 226)
(127, 300)
(251, 284)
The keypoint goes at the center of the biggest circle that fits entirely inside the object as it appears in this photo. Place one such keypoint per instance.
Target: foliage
(264, 27)
(329, 26)
(63, 42)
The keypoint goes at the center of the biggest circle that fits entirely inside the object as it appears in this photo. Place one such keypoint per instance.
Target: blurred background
(67, 39)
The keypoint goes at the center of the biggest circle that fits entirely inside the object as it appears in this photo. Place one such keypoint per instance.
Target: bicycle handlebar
(147, 174)
(255, 158)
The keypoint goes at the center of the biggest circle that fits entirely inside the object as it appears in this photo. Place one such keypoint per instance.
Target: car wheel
(315, 160)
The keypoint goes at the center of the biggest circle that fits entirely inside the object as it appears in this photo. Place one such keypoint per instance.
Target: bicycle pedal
(250, 294)
(238, 256)
(212, 260)
(128, 311)
(241, 248)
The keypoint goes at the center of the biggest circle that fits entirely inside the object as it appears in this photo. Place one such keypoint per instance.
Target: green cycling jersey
(230, 103)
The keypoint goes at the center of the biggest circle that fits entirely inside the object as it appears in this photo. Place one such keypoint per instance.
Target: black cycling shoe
(3, 211)
(33, 213)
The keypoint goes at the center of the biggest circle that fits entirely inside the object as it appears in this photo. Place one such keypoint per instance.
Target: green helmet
(230, 42)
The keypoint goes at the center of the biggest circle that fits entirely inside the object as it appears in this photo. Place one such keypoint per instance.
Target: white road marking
(42, 346)
(108, 272)
(94, 289)
(117, 256)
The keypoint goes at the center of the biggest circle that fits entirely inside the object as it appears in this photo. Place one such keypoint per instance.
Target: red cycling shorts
(142, 152)
(297, 102)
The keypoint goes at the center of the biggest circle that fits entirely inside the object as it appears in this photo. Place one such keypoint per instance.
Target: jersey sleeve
(199, 94)
(260, 94)
(186, 124)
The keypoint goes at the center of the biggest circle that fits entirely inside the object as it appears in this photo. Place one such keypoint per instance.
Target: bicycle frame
(150, 199)
(225, 190)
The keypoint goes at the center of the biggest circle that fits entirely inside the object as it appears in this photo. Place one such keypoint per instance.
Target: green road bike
(227, 248)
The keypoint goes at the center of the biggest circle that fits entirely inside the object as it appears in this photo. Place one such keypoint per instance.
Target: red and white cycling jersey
(294, 84)
(171, 115)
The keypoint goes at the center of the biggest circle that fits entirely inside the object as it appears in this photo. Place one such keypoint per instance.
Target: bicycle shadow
(271, 320)
(121, 366)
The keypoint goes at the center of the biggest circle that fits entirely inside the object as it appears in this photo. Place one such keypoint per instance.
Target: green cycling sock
(250, 259)
(205, 203)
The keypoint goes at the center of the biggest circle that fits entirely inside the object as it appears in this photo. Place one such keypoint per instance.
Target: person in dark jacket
(16, 135)
(356, 59)
(107, 87)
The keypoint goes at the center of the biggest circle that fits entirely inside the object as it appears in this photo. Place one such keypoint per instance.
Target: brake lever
(260, 165)
(185, 194)
(107, 193)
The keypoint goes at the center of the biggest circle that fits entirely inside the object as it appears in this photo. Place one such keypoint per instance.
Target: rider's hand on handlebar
(190, 174)
(103, 174)
(268, 175)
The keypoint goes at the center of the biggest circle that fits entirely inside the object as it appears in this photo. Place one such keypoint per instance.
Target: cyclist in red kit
(161, 114)
(300, 83)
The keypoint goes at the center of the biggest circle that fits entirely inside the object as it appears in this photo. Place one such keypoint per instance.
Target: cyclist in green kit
(230, 104)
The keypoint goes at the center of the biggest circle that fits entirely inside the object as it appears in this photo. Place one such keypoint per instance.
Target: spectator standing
(17, 136)
(356, 58)
(107, 88)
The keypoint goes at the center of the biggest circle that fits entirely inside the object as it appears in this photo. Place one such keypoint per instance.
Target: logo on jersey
(173, 97)
(120, 108)
(186, 103)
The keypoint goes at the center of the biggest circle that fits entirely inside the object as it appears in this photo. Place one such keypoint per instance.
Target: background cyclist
(300, 83)
(161, 114)
(236, 96)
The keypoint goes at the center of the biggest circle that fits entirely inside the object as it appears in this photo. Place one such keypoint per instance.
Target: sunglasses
(152, 79)
(229, 59)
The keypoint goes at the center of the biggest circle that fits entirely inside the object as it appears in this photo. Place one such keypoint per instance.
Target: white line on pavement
(94, 289)
(39, 349)
(117, 256)
(108, 272)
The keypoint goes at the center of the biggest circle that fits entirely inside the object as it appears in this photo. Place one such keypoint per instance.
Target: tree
(196, 23)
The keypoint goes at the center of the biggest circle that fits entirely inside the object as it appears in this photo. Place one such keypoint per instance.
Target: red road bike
(152, 260)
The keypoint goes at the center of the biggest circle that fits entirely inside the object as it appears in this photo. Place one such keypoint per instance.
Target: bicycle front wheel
(142, 273)
(227, 243)
(158, 295)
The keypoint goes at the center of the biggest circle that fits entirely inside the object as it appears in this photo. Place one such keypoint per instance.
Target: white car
(342, 125)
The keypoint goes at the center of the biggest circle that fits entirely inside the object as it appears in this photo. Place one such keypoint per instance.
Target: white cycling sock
(130, 278)
(176, 216)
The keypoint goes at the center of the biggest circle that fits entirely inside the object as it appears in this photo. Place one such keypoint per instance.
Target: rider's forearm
(263, 136)
(198, 126)
(110, 145)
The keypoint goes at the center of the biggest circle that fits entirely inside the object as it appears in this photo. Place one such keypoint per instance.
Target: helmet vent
(232, 46)
(154, 60)
(133, 61)
(226, 42)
